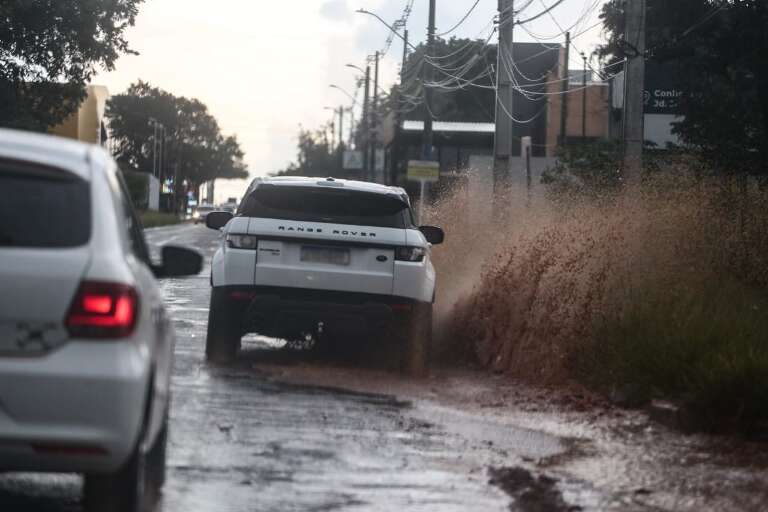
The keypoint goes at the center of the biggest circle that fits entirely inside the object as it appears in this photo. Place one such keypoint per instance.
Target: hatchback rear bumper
(78, 409)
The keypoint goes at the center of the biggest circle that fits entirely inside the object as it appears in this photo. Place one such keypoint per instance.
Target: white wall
(658, 129)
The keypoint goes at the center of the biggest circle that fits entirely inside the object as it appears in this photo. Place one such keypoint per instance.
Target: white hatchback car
(86, 349)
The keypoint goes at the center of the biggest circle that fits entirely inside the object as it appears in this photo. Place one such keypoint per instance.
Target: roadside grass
(659, 293)
(150, 219)
(703, 346)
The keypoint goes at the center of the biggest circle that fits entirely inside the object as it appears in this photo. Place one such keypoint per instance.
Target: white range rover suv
(86, 349)
(309, 256)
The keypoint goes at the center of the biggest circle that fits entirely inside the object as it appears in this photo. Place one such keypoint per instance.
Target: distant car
(86, 347)
(305, 254)
(228, 207)
(201, 212)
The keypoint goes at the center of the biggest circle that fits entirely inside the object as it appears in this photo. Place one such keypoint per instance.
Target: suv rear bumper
(282, 312)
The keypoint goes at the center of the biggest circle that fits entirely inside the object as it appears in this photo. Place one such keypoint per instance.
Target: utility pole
(584, 101)
(352, 127)
(504, 97)
(341, 127)
(154, 146)
(400, 117)
(375, 118)
(634, 101)
(429, 77)
(366, 126)
(565, 91)
(160, 158)
(404, 65)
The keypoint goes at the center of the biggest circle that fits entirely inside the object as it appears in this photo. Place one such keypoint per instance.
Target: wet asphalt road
(242, 441)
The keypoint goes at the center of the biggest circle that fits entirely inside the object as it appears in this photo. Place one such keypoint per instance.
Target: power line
(400, 23)
(468, 45)
(461, 22)
(537, 16)
(589, 9)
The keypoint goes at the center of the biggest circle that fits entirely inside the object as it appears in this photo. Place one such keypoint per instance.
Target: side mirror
(179, 262)
(217, 220)
(433, 234)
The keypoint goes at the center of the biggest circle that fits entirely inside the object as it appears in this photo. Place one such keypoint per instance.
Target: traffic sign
(422, 170)
(353, 160)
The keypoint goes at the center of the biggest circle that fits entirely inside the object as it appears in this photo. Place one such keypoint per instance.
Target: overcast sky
(264, 67)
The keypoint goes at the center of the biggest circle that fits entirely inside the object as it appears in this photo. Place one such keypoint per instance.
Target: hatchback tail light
(103, 310)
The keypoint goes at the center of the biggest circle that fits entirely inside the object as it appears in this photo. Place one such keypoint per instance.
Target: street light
(390, 27)
(362, 78)
(356, 67)
(354, 100)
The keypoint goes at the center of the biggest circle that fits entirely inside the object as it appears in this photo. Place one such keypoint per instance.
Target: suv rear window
(40, 207)
(330, 205)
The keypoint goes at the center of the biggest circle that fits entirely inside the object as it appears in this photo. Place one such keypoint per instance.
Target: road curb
(672, 416)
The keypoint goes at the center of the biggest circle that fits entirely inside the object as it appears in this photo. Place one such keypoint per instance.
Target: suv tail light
(414, 254)
(103, 310)
(247, 242)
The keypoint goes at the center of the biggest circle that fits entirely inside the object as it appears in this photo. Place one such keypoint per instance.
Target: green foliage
(591, 168)
(50, 49)
(469, 104)
(158, 219)
(194, 144)
(716, 49)
(138, 188)
(704, 345)
(315, 157)
(594, 169)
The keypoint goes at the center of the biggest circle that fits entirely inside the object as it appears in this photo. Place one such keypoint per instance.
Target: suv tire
(417, 341)
(224, 333)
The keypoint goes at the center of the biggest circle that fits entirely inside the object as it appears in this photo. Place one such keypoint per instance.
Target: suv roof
(358, 186)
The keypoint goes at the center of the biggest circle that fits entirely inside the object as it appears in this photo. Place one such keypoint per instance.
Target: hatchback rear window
(43, 208)
(335, 206)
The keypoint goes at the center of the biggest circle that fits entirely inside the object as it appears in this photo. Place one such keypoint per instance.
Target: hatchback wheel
(123, 491)
(224, 333)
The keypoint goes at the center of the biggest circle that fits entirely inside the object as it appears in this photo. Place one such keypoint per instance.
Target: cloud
(336, 10)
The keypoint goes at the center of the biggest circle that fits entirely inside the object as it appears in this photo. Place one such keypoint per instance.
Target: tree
(50, 49)
(315, 157)
(471, 58)
(716, 49)
(195, 150)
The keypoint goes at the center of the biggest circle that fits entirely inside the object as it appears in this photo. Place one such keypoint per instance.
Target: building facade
(86, 124)
(538, 107)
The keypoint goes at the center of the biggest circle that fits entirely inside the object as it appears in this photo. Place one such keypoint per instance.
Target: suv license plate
(328, 255)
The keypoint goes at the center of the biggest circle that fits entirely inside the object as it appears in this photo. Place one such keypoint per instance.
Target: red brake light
(97, 304)
(103, 311)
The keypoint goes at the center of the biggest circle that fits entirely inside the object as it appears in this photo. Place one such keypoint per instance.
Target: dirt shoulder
(566, 446)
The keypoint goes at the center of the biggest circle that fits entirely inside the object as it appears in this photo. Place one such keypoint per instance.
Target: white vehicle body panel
(90, 393)
(372, 267)
(279, 261)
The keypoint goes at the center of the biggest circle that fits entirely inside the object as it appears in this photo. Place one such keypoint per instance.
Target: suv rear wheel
(417, 340)
(224, 332)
